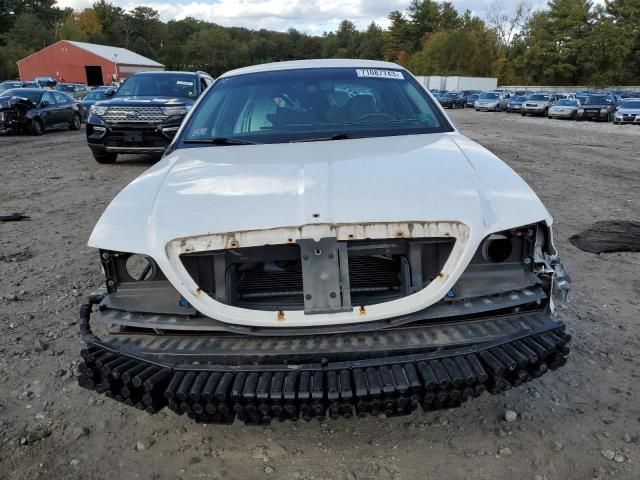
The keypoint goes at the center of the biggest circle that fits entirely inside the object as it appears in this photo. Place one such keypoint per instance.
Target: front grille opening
(270, 278)
(269, 285)
(374, 278)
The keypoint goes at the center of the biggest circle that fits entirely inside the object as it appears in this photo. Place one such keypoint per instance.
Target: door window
(48, 97)
(60, 98)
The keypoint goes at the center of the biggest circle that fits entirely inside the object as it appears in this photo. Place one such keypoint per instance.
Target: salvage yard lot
(580, 422)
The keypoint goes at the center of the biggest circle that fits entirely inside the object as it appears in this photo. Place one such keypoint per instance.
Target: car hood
(13, 102)
(141, 101)
(487, 100)
(216, 189)
(629, 111)
(594, 105)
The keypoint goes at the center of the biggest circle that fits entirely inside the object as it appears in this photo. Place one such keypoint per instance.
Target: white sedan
(320, 239)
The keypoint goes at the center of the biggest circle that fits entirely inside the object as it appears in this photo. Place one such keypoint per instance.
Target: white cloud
(311, 16)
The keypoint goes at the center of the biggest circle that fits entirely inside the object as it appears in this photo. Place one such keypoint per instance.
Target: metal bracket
(321, 273)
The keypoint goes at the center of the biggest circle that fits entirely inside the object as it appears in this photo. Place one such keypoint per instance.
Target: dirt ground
(580, 422)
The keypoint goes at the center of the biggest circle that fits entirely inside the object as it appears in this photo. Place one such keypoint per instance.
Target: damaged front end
(491, 330)
(14, 113)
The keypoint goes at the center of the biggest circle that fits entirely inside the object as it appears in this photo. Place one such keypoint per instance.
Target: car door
(48, 110)
(64, 113)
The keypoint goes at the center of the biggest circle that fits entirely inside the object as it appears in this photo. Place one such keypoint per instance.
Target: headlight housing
(604, 110)
(581, 110)
(97, 110)
(171, 111)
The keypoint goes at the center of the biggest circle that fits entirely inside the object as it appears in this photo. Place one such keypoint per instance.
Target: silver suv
(538, 104)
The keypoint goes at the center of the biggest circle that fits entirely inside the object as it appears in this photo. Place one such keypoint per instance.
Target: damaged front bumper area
(219, 377)
(13, 114)
(493, 331)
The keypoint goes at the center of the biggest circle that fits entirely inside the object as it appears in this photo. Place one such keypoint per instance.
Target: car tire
(36, 128)
(76, 122)
(523, 114)
(105, 157)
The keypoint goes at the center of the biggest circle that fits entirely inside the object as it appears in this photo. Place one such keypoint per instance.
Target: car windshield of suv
(631, 104)
(475, 96)
(596, 100)
(34, 97)
(489, 96)
(519, 99)
(539, 97)
(314, 104)
(566, 102)
(159, 85)
(64, 88)
(97, 95)
(450, 95)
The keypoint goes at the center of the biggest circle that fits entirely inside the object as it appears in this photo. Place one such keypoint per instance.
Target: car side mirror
(44, 103)
(109, 92)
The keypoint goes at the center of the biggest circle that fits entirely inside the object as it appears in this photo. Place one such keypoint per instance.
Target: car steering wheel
(376, 114)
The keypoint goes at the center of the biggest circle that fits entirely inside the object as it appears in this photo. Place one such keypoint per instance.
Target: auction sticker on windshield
(374, 73)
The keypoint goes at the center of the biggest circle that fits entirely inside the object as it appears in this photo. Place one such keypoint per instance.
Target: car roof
(302, 64)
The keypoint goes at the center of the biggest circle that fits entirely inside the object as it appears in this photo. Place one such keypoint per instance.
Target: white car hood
(196, 192)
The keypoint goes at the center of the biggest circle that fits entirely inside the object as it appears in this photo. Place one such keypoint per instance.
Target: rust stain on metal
(280, 316)
(399, 234)
(362, 311)
(442, 276)
(234, 244)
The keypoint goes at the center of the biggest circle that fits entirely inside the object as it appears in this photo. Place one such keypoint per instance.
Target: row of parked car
(619, 107)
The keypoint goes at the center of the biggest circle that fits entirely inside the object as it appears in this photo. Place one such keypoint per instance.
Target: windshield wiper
(337, 136)
(220, 141)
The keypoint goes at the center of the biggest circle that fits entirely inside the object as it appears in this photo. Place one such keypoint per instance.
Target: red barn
(79, 62)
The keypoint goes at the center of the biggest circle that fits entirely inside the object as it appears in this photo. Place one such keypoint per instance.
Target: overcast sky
(312, 16)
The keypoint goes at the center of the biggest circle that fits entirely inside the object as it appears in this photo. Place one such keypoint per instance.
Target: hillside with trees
(568, 42)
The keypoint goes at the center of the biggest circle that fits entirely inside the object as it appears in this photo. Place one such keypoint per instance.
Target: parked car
(628, 112)
(144, 114)
(36, 111)
(596, 107)
(11, 84)
(89, 100)
(76, 90)
(491, 101)
(564, 108)
(538, 104)
(471, 100)
(515, 103)
(452, 100)
(268, 268)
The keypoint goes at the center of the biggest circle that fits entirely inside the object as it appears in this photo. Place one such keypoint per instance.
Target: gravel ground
(580, 422)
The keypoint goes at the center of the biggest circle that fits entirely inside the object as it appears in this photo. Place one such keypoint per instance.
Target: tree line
(570, 42)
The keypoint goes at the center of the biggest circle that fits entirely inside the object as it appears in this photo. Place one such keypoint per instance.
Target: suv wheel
(76, 123)
(105, 157)
(36, 127)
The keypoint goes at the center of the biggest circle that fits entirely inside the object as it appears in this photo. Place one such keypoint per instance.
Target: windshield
(64, 88)
(519, 99)
(159, 85)
(450, 95)
(566, 102)
(19, 92)
(631, 104)
(596, 100)
(308, 104)
(539, 97)
(475, 96)
(97, 95)
(488, 96)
